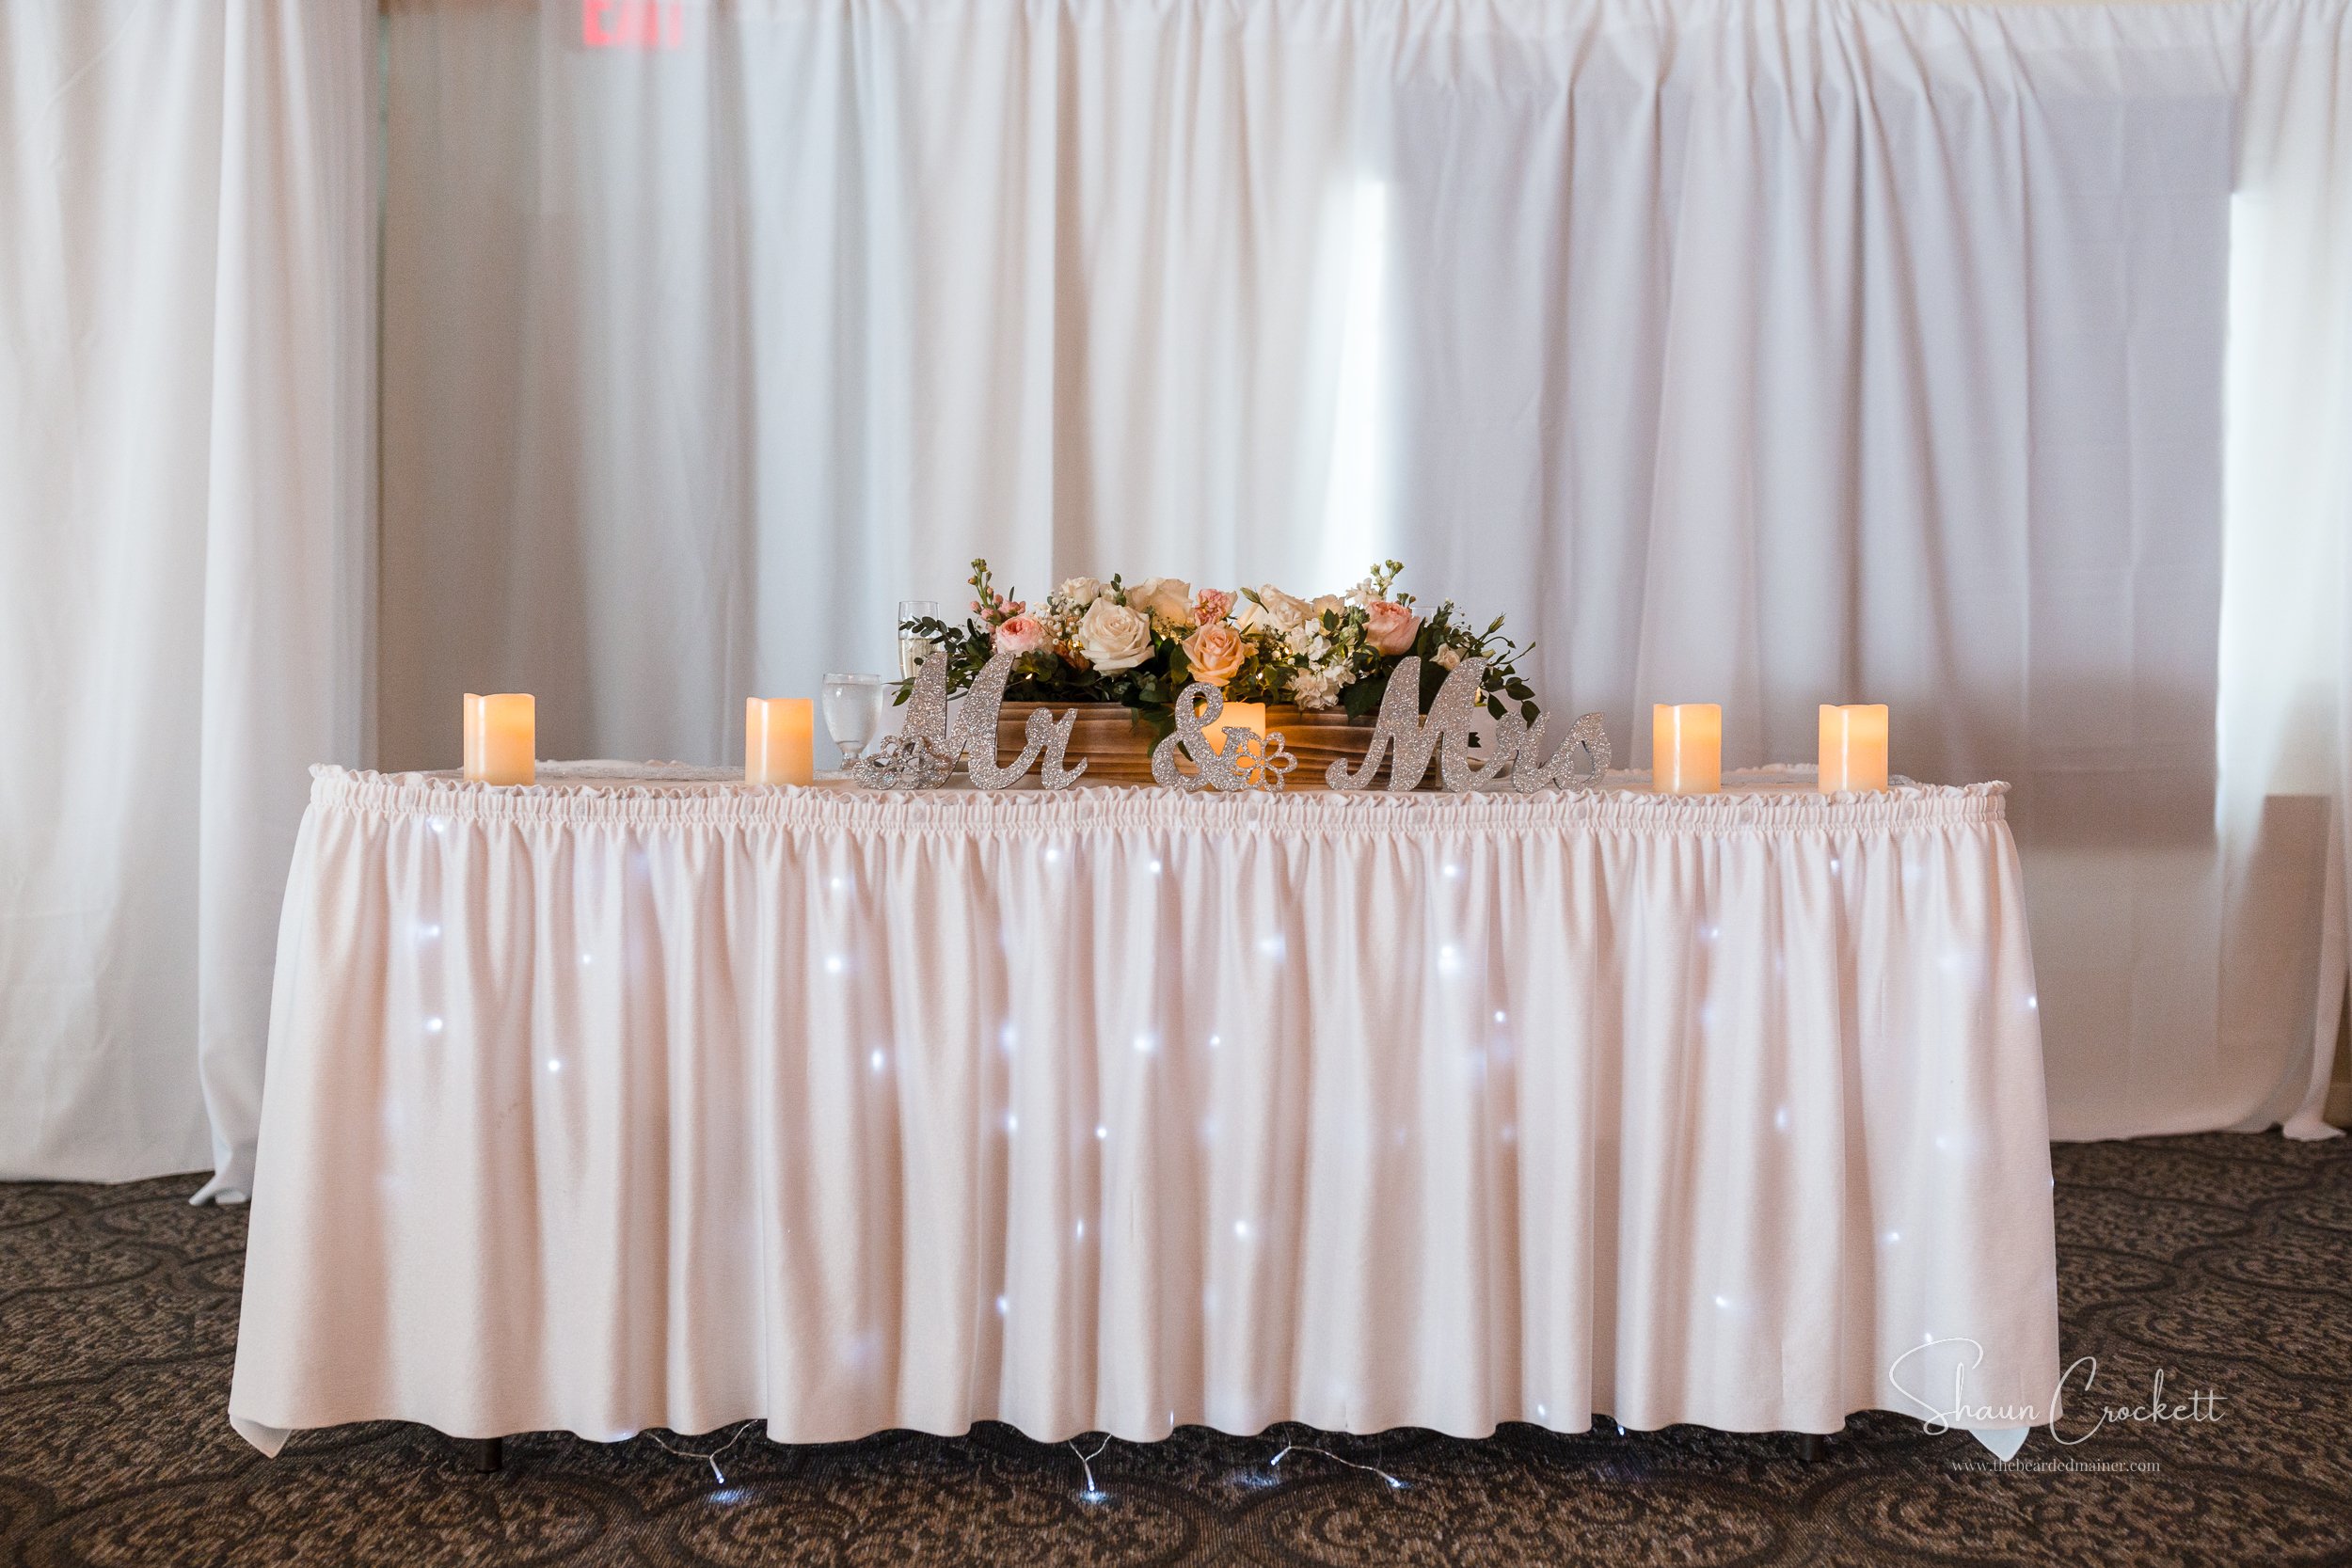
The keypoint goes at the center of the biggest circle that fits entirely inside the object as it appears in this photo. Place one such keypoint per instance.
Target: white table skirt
(675, 1102)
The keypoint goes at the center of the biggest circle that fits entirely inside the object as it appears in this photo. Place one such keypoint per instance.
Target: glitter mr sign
(924, 755)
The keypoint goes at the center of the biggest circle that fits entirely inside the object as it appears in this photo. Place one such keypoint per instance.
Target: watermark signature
(1915, 1375)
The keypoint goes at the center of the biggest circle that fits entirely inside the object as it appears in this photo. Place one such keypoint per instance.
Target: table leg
(1809, 1445)
(487, 1453)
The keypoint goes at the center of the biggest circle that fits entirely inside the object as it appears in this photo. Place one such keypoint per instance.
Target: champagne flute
(853, 711)
(914, 647)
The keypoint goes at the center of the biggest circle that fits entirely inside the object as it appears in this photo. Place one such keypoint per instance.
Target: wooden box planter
(1116, 745)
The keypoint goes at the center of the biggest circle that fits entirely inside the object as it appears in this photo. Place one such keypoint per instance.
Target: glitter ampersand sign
(1199, 707)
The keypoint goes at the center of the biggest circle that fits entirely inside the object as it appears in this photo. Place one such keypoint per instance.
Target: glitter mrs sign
(1405, 741)
(924, 754)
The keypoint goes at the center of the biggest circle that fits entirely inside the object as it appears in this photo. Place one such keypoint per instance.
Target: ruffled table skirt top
(645, 1098)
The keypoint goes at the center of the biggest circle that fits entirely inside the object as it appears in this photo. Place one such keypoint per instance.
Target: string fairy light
(1085, 1463)
(711, 1458)
(1394, 1484)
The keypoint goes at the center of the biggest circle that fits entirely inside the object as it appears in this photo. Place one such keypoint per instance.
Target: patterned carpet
(2226, 1261)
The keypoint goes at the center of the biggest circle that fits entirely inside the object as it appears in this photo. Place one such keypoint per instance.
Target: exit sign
(633, 23)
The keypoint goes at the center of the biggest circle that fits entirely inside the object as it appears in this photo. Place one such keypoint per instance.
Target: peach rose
(1023, 634)
(1390, 627)
(1216, 652)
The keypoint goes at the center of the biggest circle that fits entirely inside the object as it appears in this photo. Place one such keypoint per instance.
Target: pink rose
(1390, 627)
(1023, 634)
(1216, 652)
(1212, 605)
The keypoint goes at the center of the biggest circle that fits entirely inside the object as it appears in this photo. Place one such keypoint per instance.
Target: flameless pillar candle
(500, 733)
(1686, 747)
(1854, 747)
(779, 740)
(1237, 716)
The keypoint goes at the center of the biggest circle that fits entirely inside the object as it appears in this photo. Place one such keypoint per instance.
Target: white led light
(1241, 1228)
(1499, 1016)
(875, 1061)
(431, 1025)
(1004, 1306)
(554, 1065)
(835, 963)
(1101, 1132)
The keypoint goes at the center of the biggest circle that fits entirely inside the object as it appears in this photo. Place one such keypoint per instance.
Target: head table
(641, 1097)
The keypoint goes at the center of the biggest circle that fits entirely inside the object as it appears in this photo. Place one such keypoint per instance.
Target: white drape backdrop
(1994, 362)
(1775, 352)
(185, 482)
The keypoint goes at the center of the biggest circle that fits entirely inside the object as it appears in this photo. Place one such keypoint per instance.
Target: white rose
(1328, 604)
(1078, 593)
(1276, 609)
(1113, 637)
(1168, 598)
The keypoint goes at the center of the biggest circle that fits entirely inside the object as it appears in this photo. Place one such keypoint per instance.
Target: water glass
(853, 711)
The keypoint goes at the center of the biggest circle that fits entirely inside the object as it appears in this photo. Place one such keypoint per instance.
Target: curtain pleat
(185, 548)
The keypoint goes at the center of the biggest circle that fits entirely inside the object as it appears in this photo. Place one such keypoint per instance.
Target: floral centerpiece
(1138, 644)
